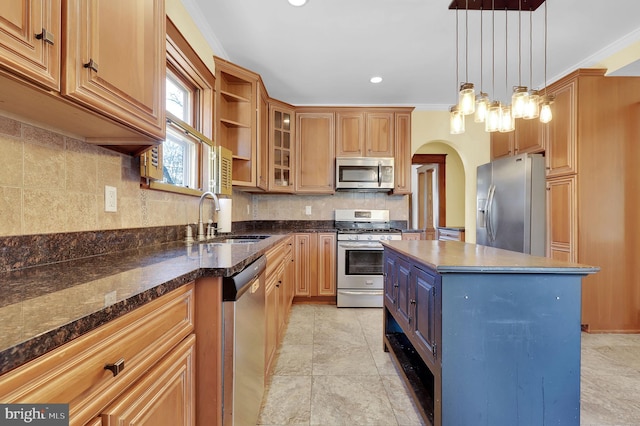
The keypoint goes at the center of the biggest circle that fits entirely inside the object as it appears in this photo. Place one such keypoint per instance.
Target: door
(103, 36)
(425, 312)
(403, 276)
(30, 40)
(427, 203)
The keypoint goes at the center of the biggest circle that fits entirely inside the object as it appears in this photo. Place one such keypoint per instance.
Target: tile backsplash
(54, 183)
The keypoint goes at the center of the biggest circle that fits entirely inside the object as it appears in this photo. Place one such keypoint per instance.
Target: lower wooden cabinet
(145, 342)
(562, 218)
(450, 234)
(163, 397)
(315, 266)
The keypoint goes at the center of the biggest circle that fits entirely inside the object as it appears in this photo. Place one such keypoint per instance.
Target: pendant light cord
(466, 42)
(457, 55)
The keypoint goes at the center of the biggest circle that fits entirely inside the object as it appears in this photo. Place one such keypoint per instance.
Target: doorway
(430, 198)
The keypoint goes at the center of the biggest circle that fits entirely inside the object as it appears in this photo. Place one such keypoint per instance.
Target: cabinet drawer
(450, 235)
(75, 373)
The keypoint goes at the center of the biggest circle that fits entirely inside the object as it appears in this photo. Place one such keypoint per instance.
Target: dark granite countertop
(43, 307)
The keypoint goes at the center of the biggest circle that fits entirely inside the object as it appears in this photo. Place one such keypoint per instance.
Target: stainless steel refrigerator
(511, 204)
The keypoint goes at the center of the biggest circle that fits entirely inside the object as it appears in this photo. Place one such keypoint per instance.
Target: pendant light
(456, 118)
(520, 94)
(466, 96)
(532, 107)
(545, 104)
(507, 122)
(482, 99)
(456, 121)
(492, 121)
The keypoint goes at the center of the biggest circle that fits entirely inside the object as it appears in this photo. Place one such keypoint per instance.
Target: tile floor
(331, 370)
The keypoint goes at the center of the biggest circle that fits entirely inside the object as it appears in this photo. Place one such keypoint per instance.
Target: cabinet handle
(93, 65)
(278, 285)
(116, 368)
(412, 301)
(46, 36)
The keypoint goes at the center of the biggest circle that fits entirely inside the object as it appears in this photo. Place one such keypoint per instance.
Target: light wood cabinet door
(502, 144)
(326, 284)
(115, 60)
(402, 166)
(282, 152)
(262, 151)
(30, 40)
(303, 251)
(530, 136)
(379, 134)
(561, 146)
(315, 153)
(350, 134)
(163, 397)
(562, 218)
(270, 323)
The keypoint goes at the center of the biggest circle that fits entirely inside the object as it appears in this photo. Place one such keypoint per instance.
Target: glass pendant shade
(507, 122)
(532, 107)
(482, 107)
(456, 121)
(519, 101)
(467, 99)
(545, 112)
(492, 122)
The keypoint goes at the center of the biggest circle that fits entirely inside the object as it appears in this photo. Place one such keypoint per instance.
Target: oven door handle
(361, 292)
(360, 245)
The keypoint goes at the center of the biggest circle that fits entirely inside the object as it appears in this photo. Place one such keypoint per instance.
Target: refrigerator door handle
(489, 213)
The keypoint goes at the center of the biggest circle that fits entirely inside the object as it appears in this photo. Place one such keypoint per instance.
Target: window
(182, 163)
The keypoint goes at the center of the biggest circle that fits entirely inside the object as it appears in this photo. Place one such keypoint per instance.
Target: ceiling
(325, 52)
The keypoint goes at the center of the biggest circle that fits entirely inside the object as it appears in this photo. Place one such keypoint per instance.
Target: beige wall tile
(44, 166)
(45, 211)
(42, 136)
(82, 211)
(10, 211)
(81, 167)
(11, 161)
(10, 127)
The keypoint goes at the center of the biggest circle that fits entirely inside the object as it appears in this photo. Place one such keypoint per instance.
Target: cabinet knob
(412, 301)
(116, 368)
(46, 36)
(92, 65)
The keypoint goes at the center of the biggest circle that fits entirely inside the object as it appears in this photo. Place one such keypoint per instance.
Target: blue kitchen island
(484, 336)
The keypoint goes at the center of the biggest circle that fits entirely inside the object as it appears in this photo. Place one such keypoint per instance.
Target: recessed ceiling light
(376, 80)
(297, 2)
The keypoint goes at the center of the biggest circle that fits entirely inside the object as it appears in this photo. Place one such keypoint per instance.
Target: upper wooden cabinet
(30, 40)
(262, 145)
(282, 147)
(364, 133)
(236, 118)
(529, 136)
(315, 152)
(126, 84)
(561, 149)
(402, 167)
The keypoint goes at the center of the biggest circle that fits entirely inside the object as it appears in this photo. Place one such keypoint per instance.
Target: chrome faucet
(201, 234)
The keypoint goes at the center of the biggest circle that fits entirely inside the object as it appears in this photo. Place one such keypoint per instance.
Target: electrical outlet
(110, 199)
(307, 210)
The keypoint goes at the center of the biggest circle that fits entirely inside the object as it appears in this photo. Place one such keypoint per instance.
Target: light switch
(110, 199)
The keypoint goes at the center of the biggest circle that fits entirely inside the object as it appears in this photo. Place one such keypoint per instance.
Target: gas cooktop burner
(368, 230)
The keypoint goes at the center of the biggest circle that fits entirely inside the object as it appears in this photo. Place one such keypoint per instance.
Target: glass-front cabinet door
(281, 172)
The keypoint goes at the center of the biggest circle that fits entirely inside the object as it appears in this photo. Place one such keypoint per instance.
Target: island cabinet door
(425, 313)
(390, 280)
(403, 275)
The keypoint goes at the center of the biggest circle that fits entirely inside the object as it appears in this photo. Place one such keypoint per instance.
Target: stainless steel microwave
(364, 173)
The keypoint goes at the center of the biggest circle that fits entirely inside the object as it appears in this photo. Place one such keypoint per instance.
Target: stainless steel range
(360, 263)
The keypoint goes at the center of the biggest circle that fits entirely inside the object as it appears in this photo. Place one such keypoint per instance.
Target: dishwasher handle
(235, 286)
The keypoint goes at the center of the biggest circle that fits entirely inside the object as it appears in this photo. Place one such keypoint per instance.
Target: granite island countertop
(43, 307)
(460, 257)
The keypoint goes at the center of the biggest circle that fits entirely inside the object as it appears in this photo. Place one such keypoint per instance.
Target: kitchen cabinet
(592, 142)
(529, 136)
(315, 152)
(262, 145)
(141, 346)
(117, 99)
(561, 149)
(411, 235)
(282, 149)
(402, 151)
(450, 234)
(236, 117)
(95, 76)
(446, 316)
(315, 266)
(30, 40)
(562, 219)
(364, 133)
(278, 297)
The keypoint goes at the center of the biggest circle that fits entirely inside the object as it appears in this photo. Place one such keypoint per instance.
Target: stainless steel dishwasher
(243, 344)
